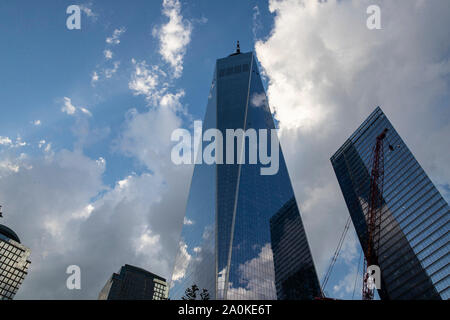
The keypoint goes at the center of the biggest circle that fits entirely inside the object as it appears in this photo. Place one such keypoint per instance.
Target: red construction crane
(373, 221)
(374, 214)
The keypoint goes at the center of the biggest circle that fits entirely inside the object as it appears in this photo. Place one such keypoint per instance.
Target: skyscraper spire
(238, 50)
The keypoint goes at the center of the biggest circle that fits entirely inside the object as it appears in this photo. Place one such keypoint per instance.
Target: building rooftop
(7, 232)
(139, 270)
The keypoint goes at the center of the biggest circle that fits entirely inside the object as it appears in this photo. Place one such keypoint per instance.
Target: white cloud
(73, 218)
(325, 80)
(115, 38)
(101, 162)
(174, 36)
(146, 80)
(94, 77)
(37, 122)
(258, 99)
(41, 143)
(19, 142)
(9, 166)
(108, 54)
(201, 20)
(70, 109)
(11, 162)
(194, 262)
(187, 222)
(257, 24)
(111, 71)
(64, 225)
(48, 147)
(257, 284)
(197, 249)
(148, 243)
(87, 9)
(85, 212)
(183, 260)
(5, 141)
(147, 135)
(106, 72)
(153, 81)
(85, 111)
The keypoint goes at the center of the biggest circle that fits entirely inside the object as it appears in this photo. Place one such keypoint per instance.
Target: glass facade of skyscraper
(14, 263)
(413, 239)
(295, 275)
(225, 245)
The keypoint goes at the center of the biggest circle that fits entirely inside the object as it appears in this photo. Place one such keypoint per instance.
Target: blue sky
(86, 116)
(50, 62)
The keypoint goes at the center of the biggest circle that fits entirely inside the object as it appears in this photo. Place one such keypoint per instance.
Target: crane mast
(374, 214)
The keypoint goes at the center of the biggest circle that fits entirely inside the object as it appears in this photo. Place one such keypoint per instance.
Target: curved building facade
(14, 263)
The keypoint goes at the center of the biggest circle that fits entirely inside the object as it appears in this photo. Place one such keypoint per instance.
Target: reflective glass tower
(413, 238)
(295, 275)
(14, 263)
(226, 245)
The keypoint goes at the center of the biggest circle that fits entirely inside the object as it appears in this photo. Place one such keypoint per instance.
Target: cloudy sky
(86, 118)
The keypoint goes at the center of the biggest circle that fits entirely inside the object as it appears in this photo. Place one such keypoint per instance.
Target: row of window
(5, 246)
(234, 70)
